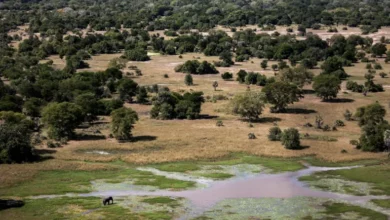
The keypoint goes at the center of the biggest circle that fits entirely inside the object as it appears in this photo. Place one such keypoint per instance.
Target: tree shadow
(143, 138)
(43, 154)
(263, 120)
(308, 91)
(301, 148)
(89, 137)
(299, 111)
(340, 100)
(44, 151)
(207, 117)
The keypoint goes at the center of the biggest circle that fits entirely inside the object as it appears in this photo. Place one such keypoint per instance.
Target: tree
(373, 126)
(226, 57)
(142, 95)
(188, 80)
(275, 134)
(378, 49)
(326, 86)
(117, 63)
(264, 64)
(127, 89)
(61, 119)
(248, 105)
(89, 104)
(15, 145)
(32, 107)
(241, 75)
(215, 85)
(280, 94)
(137, 54)
(227, 76)
(298, 76)
(334, 65)
(122, 123)
(290, 139)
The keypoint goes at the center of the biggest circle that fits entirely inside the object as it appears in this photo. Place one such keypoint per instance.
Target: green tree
(248, 105)
(241, 75)
(290, 139)
(188, 80)
(33, 106)
(264, 64)
(15, 145)
(61, 119)
(298, 76)
(378, 49)
(137, 54)
(373, 126)
(275, 134)
(122, 123)
(142, 95)
(280, 94)
(127, 89)
(326, 86)
(89, 104)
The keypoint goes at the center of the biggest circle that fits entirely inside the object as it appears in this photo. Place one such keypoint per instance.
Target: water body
(283, 185)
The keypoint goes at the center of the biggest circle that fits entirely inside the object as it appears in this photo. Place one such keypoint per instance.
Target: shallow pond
(243, 185)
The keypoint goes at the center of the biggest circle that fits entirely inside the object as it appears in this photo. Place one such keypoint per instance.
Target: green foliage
(326, 86)
(298, 76)
(15, 145)
(378, 49)
(122, 121)
(275, 134)
(241, 76)
(142, 95)
(227, 76)
(137, 54)
(264, 64)
(280, 94)
(61, 119)
(195, 67)
(248, 105)
(127, 89)
(373, 125)
(290, 139)
(167, 105)
(188, 80)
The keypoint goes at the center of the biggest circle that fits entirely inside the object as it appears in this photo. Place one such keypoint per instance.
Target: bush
(166, 76)
(275, 134)
(227, 76)
(195, 67)
(377, 66)
(137, 54)
(354, 142)
(348, 115)
(290, 139)
(219, 123)
(383, 75)
(339, 123)
(251, 136)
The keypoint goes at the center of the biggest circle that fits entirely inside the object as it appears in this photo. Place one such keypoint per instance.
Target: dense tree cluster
(169, 105)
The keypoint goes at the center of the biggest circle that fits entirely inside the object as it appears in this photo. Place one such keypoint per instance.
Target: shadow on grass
(207, 117)
(308, 91)
(340, 100)
(301, 148)
(263, 120)
(143, 138)
(90, 137)
(299, 111)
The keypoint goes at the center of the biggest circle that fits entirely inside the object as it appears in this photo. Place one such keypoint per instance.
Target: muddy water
(285, 185)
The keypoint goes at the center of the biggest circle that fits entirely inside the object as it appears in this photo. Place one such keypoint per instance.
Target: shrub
(377, 66)
(354, 142)
(227, 76)
(275, 134)
(383, 75)
(348, 115)
(166, 76)
(290, 139)
(196, 67)
(339, 123)
(122, 123)
(188, 80)
(219, 123)
(251, 136)
(137, 54)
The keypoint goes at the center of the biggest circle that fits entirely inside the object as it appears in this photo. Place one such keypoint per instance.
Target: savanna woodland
(179, 109)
